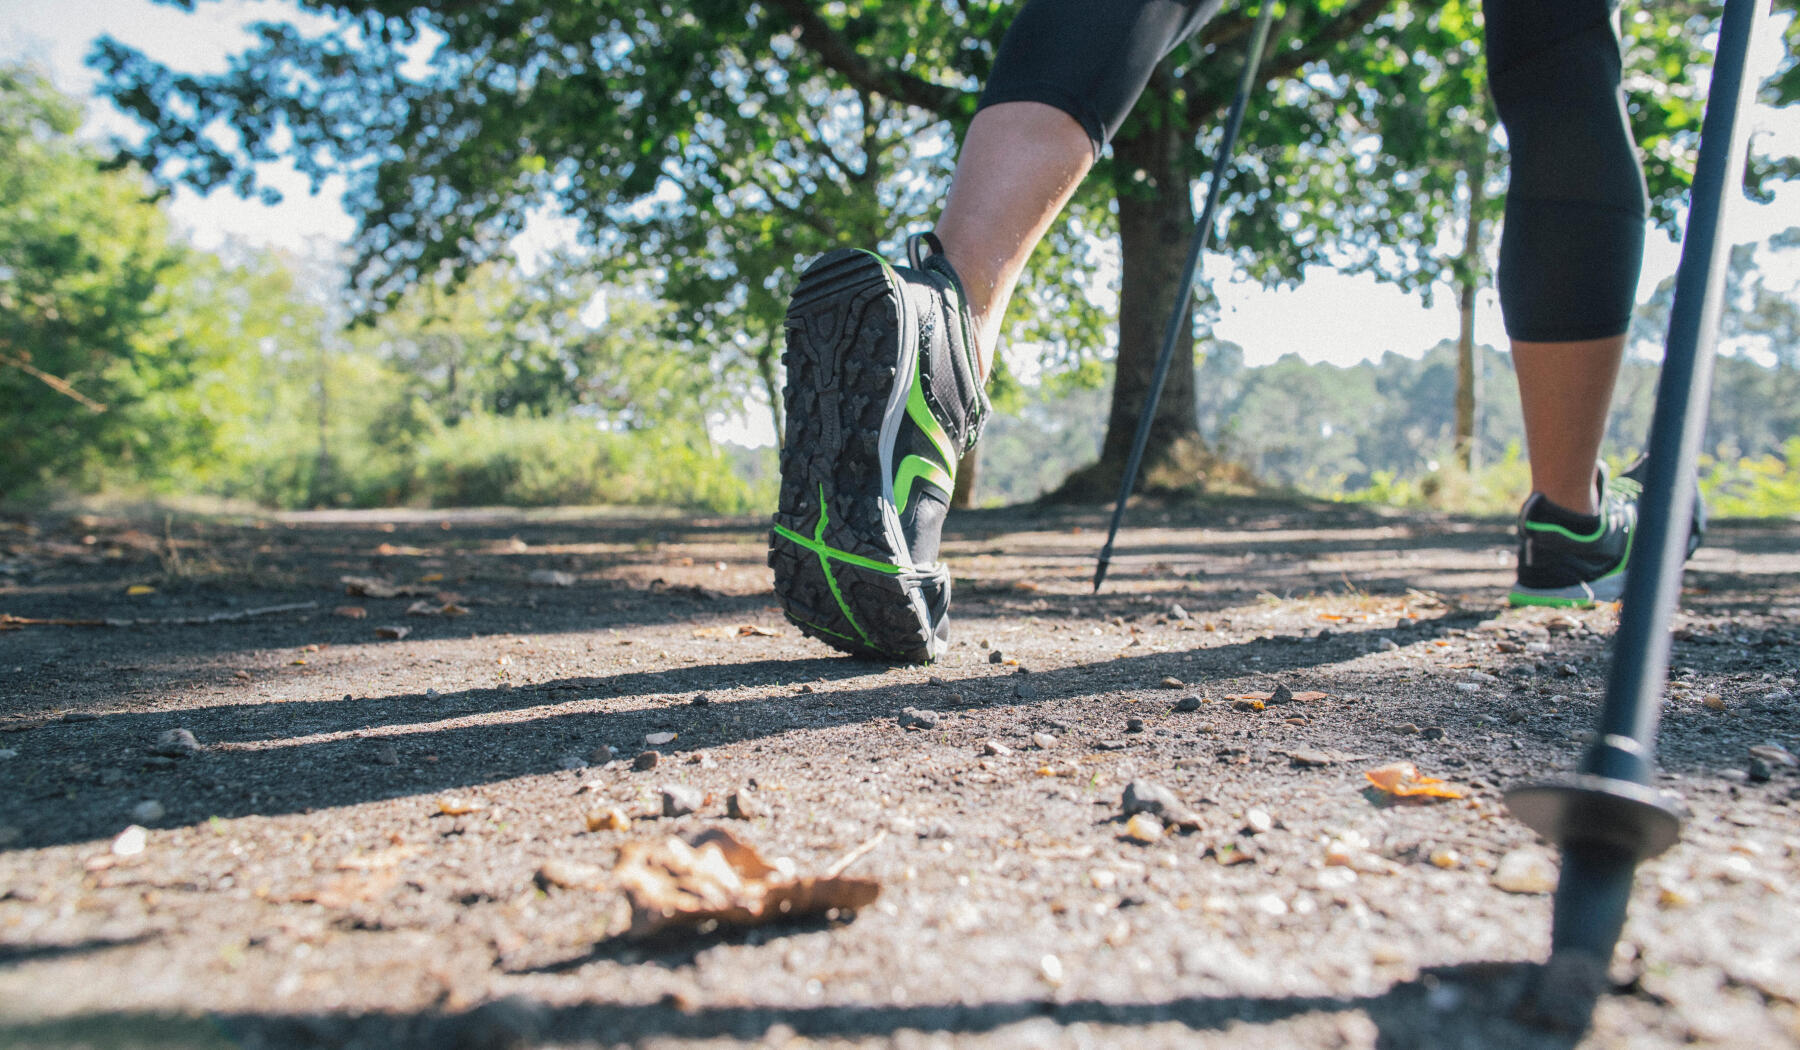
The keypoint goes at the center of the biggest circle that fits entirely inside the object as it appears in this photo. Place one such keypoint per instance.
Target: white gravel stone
(1526, 871)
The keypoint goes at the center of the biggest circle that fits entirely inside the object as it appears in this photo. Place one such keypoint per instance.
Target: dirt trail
(299, 883)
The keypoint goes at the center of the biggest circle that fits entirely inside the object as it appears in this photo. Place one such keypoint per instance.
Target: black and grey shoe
(1575, 561)
(883, 399)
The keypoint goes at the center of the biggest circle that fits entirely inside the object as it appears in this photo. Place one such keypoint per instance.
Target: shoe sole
(843, 573)
(1581, 596)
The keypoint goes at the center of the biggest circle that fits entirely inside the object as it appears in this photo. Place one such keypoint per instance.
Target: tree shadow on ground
(1447, 1008)
(267, 758)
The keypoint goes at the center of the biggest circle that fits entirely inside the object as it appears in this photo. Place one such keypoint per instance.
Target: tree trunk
(968, 472)
(765, 369)
(1469, 276)
(1156, 223)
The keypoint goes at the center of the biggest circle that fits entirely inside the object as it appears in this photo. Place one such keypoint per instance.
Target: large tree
(717, 145)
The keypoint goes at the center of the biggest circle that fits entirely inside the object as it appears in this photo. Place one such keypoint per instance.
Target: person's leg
(1565, 389)
(1066, 76)
(885, 363)
(1573, 241)
(1019, 165)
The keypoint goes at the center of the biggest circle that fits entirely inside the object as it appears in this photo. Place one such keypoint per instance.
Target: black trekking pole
(1172, 335)
(1608, 817)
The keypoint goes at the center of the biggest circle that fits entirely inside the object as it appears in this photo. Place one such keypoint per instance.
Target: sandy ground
(299, 883)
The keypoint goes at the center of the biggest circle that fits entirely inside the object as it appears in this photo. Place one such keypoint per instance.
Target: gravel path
(374, 842)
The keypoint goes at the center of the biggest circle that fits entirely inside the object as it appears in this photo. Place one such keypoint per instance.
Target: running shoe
(883, 399)
(1575, 561)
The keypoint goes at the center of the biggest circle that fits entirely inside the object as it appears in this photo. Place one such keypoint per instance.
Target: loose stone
(1188, 703)
(646, 760)
(679, 800)
(176, 743)
(745, 804)
(1526, 871)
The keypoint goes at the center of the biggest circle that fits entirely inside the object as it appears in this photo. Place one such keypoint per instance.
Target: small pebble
(701, 700)
(646, 760)
(601, 755)
(1025, 691)
(432, 694)
(148, 811)
(1407, 728)
(176, 743)
(1432, 733)
(1526, 871)
(130, 842)
(1172, 682)
(385, 755)
(1282, 694)
(679, 800)
(1044, 740)
(659, 739)
(1713, 702)
(1142, 827)
(914, 718)
(996, 748)
(1446, 858)
(7, 752)
(1188, 703)
(996, 657)
(572, 762)
(745, 804)
(1052, 969)
(1178, 612)
(1389, 645)
(1258, 822)
(1467, 687)
(1134, 725)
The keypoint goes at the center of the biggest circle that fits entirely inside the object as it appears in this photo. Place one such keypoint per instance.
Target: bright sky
(1331, 317)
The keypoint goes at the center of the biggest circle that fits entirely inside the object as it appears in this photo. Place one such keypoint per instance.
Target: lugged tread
(844, 313)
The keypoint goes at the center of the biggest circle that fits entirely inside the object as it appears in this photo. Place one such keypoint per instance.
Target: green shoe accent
(1520, 600)
(920, 413)
(912, 468)
(813, 626)
(828, 554)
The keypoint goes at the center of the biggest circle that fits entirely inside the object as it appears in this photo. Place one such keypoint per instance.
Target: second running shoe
(883, 399)
(1571, 562)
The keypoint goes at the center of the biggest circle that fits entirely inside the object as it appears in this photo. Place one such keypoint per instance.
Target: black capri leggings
(1573, 241)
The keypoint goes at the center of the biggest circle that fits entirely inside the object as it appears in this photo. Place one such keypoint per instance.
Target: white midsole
(896, 411)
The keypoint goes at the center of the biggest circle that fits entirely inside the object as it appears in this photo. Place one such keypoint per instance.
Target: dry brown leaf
(715, 632)
(1403, 780)
(139, 589)
(1252, 696)
(751, 629)
(719, 880)
(451, 806)
(392, 632)
(351, 612)
(1310, 697)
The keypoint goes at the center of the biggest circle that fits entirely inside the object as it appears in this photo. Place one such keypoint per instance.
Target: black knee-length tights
(1573, 240)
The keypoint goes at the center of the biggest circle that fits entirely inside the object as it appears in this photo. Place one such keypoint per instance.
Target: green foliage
(1762, 486)
(91, 365)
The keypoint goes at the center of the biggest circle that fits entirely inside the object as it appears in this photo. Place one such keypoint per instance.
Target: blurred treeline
(133, 363)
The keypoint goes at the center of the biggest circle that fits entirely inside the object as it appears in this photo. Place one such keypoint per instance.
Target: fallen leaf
(1310, 697)
(715, 632)
(451, 806)
(751, 629)
(392, 631)
(425, 608)
(351, 612)
(140, 589)
(1403, 780)
(1265, 697)
(432, 577)
(611, 818)
(718, 880)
